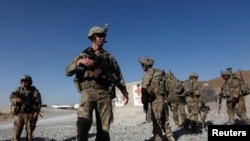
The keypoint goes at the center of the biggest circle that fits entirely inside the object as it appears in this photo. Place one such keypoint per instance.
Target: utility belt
(94, 85)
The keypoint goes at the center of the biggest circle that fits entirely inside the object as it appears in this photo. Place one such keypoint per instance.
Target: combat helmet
(27, 78)
(193, 74)
(96, 30)
(225, 72)
(147, 61)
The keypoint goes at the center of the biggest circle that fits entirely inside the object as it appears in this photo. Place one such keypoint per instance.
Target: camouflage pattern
(193, 91)
(159, 109)
(96, 30)
(235, 102)
(176, 99)
(23, 113)
(96, 95)
(147, 61)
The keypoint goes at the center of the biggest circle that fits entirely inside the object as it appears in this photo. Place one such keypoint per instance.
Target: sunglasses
(100, 35)
(24, 80)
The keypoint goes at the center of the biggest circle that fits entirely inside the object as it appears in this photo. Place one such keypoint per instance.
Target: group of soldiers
(162, 91)
(97, 73)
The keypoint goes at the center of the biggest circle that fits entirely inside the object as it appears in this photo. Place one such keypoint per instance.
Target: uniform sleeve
(116, 71)
(71, 68)
(13, 96)
(185, 85)
(37, 100)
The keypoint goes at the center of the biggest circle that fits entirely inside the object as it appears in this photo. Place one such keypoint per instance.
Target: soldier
(176, 99)
(97, 72)
(193, 91)
(25, 106)
(154, 92)
(235, 102)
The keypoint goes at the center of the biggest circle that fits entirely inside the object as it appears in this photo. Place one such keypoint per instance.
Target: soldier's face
(193, 78)
(99, 39)
(225, 77)
(144, 67)
(24, 82)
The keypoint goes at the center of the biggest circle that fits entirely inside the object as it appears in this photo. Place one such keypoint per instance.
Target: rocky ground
(59, 125)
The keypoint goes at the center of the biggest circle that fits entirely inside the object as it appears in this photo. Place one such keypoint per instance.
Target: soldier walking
(176, 99)
(96, 75)
(154, 92)
(193, 91)
(235, 102)
(25, 106)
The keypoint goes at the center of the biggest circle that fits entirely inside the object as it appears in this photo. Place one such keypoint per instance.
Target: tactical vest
(28, 101)
(158, 82)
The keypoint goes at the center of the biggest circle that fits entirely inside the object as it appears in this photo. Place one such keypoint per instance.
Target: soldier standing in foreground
(154, 92)
(25, 106)
(97, 73)
(235, 102)
(176, 99)
(193, 91)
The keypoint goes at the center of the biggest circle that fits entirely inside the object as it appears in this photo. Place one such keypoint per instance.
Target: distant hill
(216, 83)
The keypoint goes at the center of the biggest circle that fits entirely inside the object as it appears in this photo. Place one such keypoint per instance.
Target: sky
(40, 37)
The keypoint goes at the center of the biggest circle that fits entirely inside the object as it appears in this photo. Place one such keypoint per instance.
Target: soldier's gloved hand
(19, 100)
(35, 115)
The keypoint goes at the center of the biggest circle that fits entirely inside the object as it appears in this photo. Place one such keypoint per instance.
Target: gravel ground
(59, 125)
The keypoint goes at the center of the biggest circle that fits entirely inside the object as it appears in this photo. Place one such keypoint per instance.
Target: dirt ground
(4, 117)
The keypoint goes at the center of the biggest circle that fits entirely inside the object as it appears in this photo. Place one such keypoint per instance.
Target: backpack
(158, 82)
(244, 88)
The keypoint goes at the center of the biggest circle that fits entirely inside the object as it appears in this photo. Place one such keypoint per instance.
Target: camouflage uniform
(154, 91)
(235, 102)
(96, 87)
(25, 106)
(193, 91)
(176, 99)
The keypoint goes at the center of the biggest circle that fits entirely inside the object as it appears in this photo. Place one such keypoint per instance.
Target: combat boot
(186, 124)
(194, 127)
(157, 138)
(81, 127)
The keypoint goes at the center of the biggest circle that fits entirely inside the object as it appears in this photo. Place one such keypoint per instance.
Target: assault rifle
(219, 104)
(80, 69)
(102, 66)
(244, 87)
(145, 97)
(26, 106)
